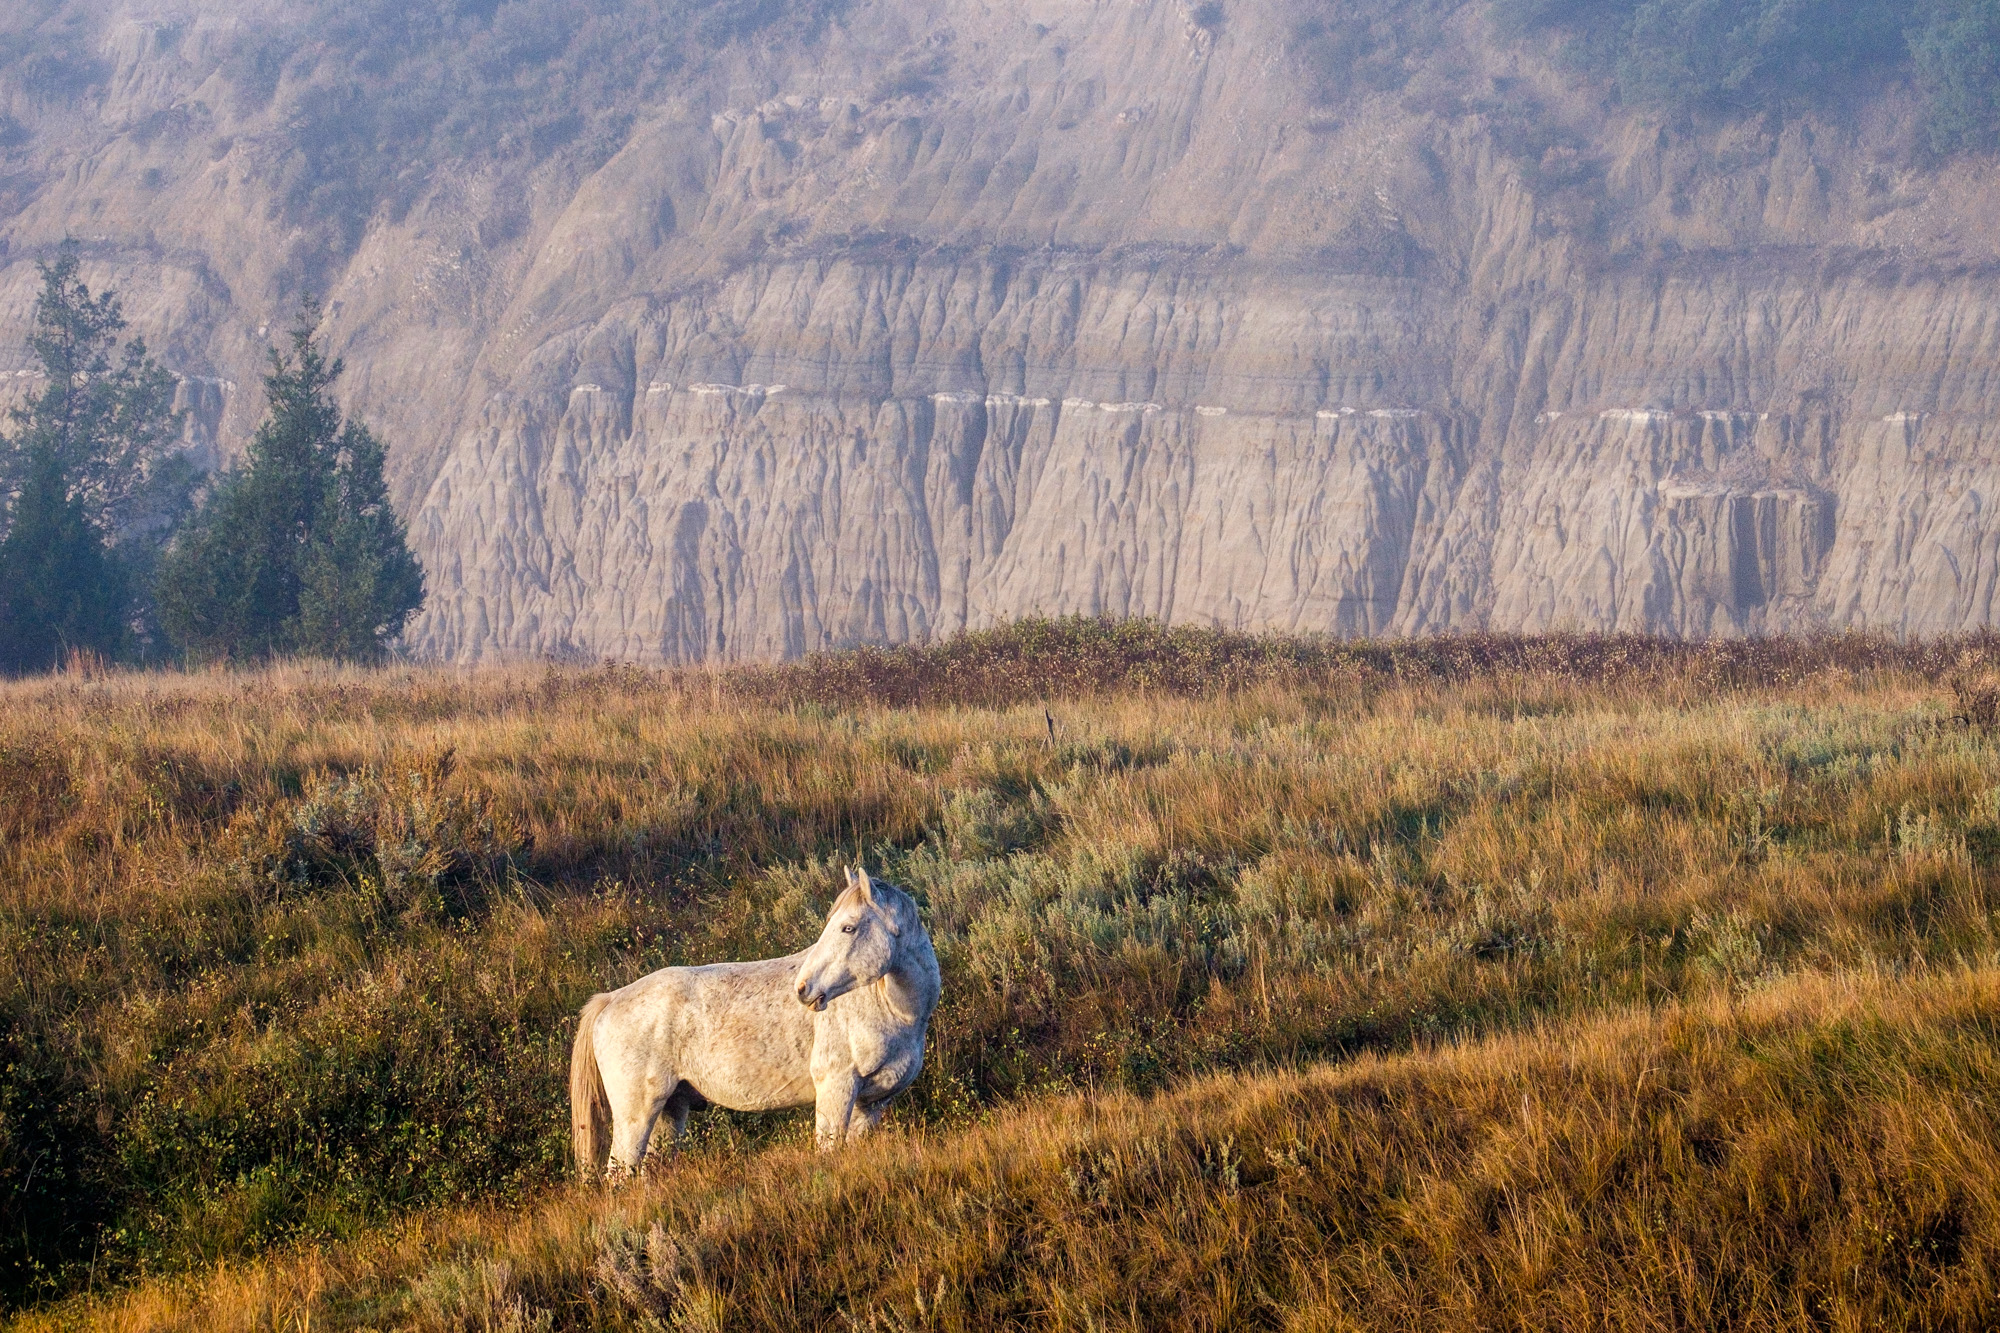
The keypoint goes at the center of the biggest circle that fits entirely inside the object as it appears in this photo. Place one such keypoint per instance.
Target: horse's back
(735, 1033)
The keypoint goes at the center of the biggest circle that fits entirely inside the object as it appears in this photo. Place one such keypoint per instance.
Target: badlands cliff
(937, 313)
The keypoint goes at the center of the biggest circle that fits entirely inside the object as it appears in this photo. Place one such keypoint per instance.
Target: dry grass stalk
(1587, 927)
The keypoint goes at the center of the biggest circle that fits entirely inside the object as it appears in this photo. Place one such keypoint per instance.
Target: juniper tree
(60, 588)
(358, 582)
(299, 550)
(93, 476)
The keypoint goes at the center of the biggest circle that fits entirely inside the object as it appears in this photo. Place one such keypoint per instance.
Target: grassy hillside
(1815, 1154)
(1473, 983)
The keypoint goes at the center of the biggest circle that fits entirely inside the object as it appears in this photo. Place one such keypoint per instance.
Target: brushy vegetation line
(1669, 970)
(1079, 657)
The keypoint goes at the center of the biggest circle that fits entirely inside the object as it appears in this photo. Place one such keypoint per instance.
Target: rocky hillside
(733, 330)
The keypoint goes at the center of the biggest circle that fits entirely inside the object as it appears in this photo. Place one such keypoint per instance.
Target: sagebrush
(1640, 967)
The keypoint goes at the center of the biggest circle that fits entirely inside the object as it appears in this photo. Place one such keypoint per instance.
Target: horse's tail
(589, 1108)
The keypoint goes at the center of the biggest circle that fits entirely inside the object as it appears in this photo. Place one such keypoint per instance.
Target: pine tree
(60, 588)
(299, 551)
(94, 477)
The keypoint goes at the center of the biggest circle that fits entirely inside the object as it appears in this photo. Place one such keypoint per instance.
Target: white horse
(839, 1027)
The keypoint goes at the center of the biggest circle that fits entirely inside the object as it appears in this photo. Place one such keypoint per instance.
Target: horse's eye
(847, 929)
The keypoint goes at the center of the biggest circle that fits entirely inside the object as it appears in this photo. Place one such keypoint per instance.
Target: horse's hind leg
(629, 1137)
(636, 1102)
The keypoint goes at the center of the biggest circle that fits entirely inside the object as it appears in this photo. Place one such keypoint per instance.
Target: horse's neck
(911, 983)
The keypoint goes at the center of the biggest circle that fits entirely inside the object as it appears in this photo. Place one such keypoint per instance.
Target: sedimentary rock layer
(1102, 310)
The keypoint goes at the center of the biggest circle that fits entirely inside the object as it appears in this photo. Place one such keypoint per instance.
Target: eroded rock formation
(956, 313)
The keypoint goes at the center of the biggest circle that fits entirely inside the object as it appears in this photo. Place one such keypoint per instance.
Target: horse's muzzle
(812, 999)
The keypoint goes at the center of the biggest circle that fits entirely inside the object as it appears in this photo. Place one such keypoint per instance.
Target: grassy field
(1470, 983)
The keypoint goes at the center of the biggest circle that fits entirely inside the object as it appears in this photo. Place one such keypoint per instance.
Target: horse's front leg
(865, 1118)
(677, 1112)
(833, 1107)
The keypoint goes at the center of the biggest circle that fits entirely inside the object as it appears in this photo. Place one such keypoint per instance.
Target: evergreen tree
(299, 551)
(358, 581)
(93, 478)
(60, 588)
(1956, 47)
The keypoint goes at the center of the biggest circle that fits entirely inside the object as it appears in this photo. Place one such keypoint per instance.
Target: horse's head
(858, 946)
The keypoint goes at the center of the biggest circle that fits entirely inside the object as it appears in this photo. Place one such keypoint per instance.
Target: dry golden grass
(1482, 983)
(1820, 1153)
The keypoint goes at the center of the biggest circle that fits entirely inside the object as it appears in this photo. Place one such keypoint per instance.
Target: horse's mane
(902, 905)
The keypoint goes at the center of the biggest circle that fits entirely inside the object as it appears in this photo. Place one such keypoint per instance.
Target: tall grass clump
(1478, 981)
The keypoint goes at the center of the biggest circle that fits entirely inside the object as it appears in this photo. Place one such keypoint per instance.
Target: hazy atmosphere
(891, 665)
(736, 330)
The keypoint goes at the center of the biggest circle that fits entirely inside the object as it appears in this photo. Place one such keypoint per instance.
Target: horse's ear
(848, 872)
(891, 906)
(866, 885)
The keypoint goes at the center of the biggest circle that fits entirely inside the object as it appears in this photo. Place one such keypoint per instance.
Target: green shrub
(1956, 46)
(422, 849)
(376, 93)
(1782, 55)
(1349, 47)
